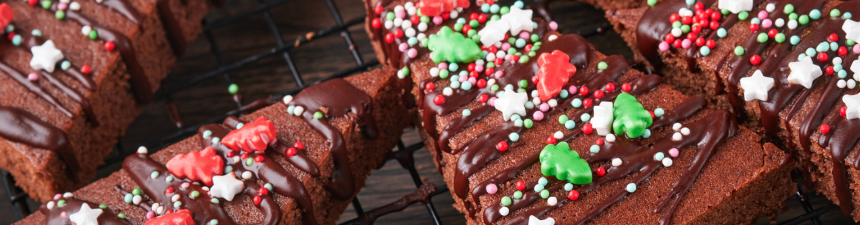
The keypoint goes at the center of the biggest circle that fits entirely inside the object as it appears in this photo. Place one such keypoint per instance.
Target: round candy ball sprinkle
(631, 187)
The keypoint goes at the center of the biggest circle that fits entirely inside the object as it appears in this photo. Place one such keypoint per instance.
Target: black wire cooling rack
(19, 200)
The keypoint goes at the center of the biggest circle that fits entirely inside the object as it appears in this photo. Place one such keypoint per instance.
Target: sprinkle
(594, 149)
(154, 174)
(121, 215)
(616, 162)
(504, 211)
(631, 187)
(128, 198)
(659, 156)
(602, 65)
(215, 140)
(685, 131)
(647, 133)
(175, 198)
(558, 135)
(569, 124)
(585, 117)
(544, 193)
(568, 186)
(705, 51)
(514, 137)
(141, 150)
(177, 204)
(298, 111)
(676, 126)
(169, 178)
(136, 199)
(667, 162)
(33, 76)
(50, 205)
(68, 195)
(492, 189)
(739, 51)
(287, 99)
(673, 152)
(610, 137)
(551, 201)
(677, 136)
(659, 112)
(538, 115)
(539, 187)
(506, 201)
(246, 175)
(573, 195)
(722, 32)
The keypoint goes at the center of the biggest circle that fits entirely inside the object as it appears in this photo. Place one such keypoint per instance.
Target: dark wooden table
(320, 58)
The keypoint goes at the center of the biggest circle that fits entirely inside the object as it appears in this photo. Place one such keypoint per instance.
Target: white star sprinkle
(512, 103)
(852, 30)
(535, 221)
(736, 6)
(852, 104)
(602, 120)
(226, 186)
(756, 86)
(519, 20)
(494, 32)
(855, 67)
(86, 215)
(804, 72)
(45, 56)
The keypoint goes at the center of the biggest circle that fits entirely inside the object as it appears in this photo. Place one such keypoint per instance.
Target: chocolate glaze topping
(337, 98)
(20, 126)
(655, 25)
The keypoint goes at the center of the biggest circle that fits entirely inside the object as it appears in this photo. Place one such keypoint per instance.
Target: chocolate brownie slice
(78, 71)
(522, 130)
(787, 70)
(301, 161)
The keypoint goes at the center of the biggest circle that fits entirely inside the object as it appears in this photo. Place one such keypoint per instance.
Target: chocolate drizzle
(655, 25)
(20, 126)
(336, 98)
(71, 206)
(140, 82)
(125, 8)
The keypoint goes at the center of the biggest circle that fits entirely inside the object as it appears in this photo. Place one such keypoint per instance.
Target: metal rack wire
(19, 199)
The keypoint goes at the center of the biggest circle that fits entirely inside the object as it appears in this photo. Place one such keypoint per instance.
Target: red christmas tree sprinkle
(254, 136)
(197, 166)
(555, 70)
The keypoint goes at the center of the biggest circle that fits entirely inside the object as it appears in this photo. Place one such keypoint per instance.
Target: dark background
(322, 57)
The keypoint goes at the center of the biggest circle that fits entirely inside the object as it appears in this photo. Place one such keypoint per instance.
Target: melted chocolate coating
(72, 206)
(20, 126)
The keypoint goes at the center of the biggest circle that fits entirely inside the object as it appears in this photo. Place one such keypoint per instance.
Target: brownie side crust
(363, 153)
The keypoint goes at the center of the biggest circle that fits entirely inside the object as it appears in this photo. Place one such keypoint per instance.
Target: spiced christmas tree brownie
(74, 74)
(296, 162)
(790, 66)
(543, 129)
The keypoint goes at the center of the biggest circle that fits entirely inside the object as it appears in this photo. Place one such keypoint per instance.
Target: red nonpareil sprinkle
(833, 37)
(415, 19)
(263, 191)
(754, 27)
(169, 211)
(609, 87)
(587, 102)
(652, 114)
(716, 16)
(573, 195)
(587, 128)
(691, 36)
(483, 98)
(445, 16)
(502, 146)
(168, 191)
(299, 145)
(482, 18)
(109, 46)
(257, 200)
(470, 67)
(699, 6)
(389, 38)
(398, 33)
(32, 2)
(528, 48)
(429, 86)
(514, 58)
(291, 152)
(10, 36)
(492, 49)
(498, 61)
(669, 38)
(439, 99)
(677, 43)
(829, 70)
(482, 83)
(626, 87)
(822, 57)
(259, 158)
(490, 70)
(244, 155)
(599, 141)
(711, 43)
(230, 154)
(843, 51)
(583, 90)
(687, 20)
(521, 185)
(473, 74)
(772, 33)
(700, 41)
(507, 35)
(755, 59)
(598, 94)
(551, 140)
(674, 17)
(378, 9)
(376, 23)
(86, 69)
(467, 28)
(824, 128)
(601, 171)
(714, 25)
(696, 29)
(473, 16)
(843, 111)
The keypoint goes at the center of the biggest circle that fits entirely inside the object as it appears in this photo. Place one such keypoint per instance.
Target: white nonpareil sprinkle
(667, 162)
(434, 72)
(298, 110)
(792, 24)
(610, 137)
(155, 207)
(851, 84)
(558, 135)
(75, 6)
(676, 126)
(136, 199)
(406, 24)
(447, 91)
(677, 136)
(410, 32)
(685, 131)
(616, 162)
(422, 26)
(236, 159)
(535, 94)
(552, 37)
(536, 101)
(504, 211)
(65, 1)
(552, 103)
(68, 195)
(288, 99)
(389, 24)
(51, 205)
(551, 201)
(841, 84)
(142, 150)
(454, 14)
(86, 30)
(246, 175)
(770, 7)
(175, 197)
(397, 22)
(779, 22)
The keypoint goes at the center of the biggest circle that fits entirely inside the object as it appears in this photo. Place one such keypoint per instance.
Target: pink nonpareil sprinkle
(442, 66)
(544, 107)
(762, 15)
(400, 14)
(412, 53)
(33, 76)
(673, 152)
(857, 49)
(463, 78)
(479, 68)
(57, 196)
(553, 25)
(524, 35)
(499, 74)
(663, 46)
(437, 20)
(473, 80)
(403, 47)
(492, 101)
(538, 116)
(572, 89)
(766, 23)
(492, 189)
(150, 215)
(62, 6)
(686, 43)
(506, 46)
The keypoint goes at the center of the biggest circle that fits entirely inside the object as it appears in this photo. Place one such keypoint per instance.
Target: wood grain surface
(320, 58)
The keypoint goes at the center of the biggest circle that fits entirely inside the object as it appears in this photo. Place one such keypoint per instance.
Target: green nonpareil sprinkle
(518, 194)
(60, 14)
(523, 83)
(506, 201)
(602, 65)
(528, 123)
(743, 15)
(120, 215)
(233, 89)
(249, 161)
(194, 194)
(136, 191)
(739, 51)
(46, 4)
